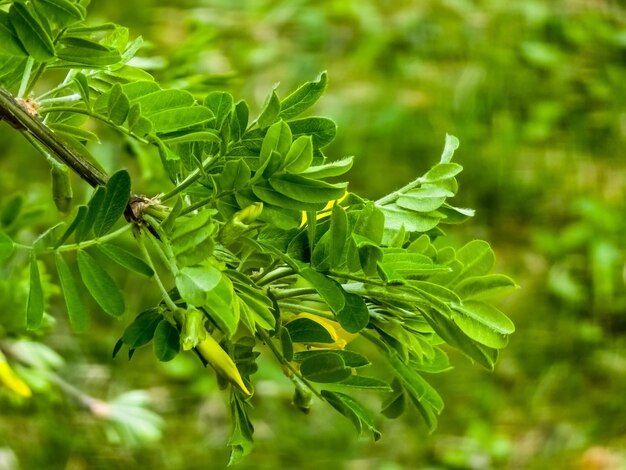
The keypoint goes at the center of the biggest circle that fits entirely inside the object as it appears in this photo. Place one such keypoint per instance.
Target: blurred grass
(536, 92)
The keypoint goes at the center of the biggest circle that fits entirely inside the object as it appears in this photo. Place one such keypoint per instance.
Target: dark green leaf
(354, 316)
(87, 53)
(166, 341)
(338, 234)
(239, 120)
(100, 285)
(205, 136)
(6, 246)
(31, 33)
(305, 330)
(9, 43)
(269, 195)
(330, 290)
(350, 358)
(415, 384)
(286, 344)
(303, 98)
(35, 305)
(126, 259)
(114, 203)
(81, 213)
(76, 309)
(141, 330)
(325, 368)
(353, 410)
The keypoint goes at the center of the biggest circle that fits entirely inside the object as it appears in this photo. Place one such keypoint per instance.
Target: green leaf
(126, 259)
(221, 104)
(176, 119)
(395, 404)
(141, 330)
(118, 105)
(6, 246)
(31, 33)
(397, 217)
(277, 139)
(350, 358)
(9, 43)
(269, 195)
(83, 88)
(81, 213)
(286, 344)
(235, 174)
(100, 285)
(61, 12)
(477, 258)
(80, 51)
(303, 98)
(307, 190)
(76, 308)
(162, 100)
(138, 124)
(424, 199)
(336, 168)
(240, 440)
(367, 383)
(323, 130)
(239, 120)
(483, 323)
(35, 304)
(135, 90)
(353, 410)
(205, 136)
(441, 171)
(325, 368)
(114, 203)
(481, 287)
(207, 287)
(354, 316)
(74, 132)
(452, 143)
(300, 155)
(270, 112)
(166, 341)
(192, 240)
(338, 234)
(305, 330)
(330, 290)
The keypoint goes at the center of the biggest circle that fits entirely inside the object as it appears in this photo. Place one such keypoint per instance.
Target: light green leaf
(277, 139)
(176, 119)
(452, 143)
(35, 304)
(76, 309)
(61, 12)
(114, 203)
(137, 89)
(205, 136)
(441, 171)
(31, 33)
(397, 217)
(323, 130)
(483, 323)
(307, 190)
(126, 259)
(269, 114)
(325, 368)
(100, 285)
(303, 98)
(481, 287)
(161, 100)
(424, 199)
(118, 105)
(9, 43)
(300, 155)
(166, 341)
(221, 104)
(477, 258)
(336, 168)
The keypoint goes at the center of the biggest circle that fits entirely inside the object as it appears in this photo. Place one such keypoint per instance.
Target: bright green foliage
(258, 239)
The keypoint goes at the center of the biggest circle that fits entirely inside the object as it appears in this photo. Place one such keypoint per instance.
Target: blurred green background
(536, 93)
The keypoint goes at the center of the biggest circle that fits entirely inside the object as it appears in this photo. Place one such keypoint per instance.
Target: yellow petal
(212, 352)
(10, 380)
(340, 336)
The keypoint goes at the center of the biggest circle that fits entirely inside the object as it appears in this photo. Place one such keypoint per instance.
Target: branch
(17, 116)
